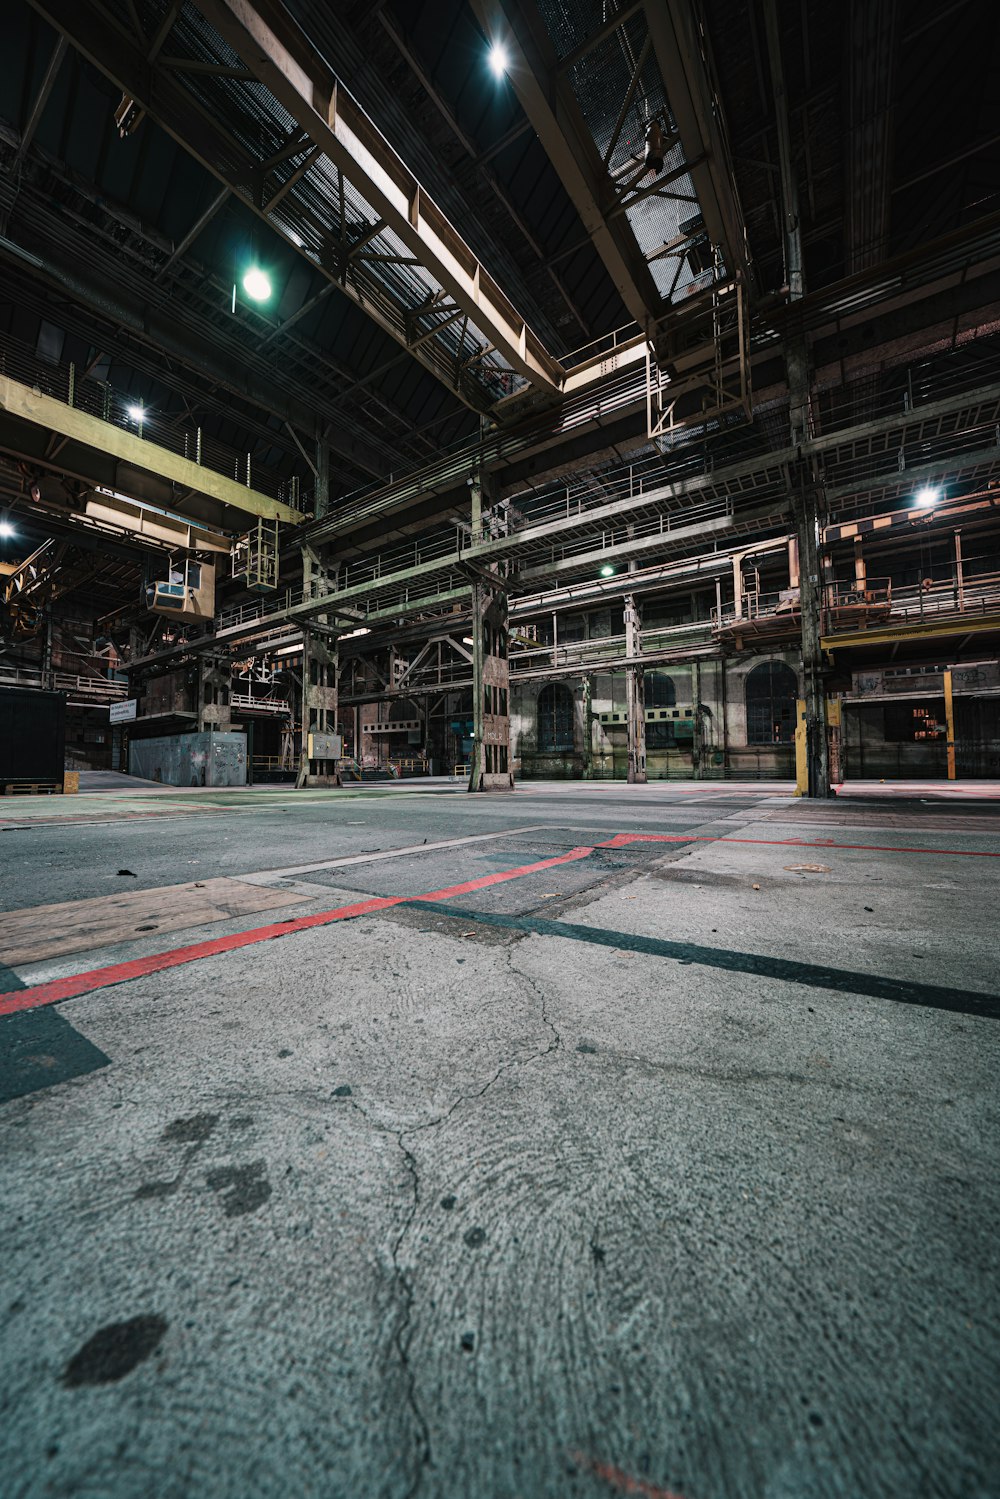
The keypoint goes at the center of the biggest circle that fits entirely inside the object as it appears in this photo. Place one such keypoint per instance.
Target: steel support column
(321, 492)
(697, 726)
(588, 728)
(320, 667)
(813, 684)
(635, 705)
(949, 716)
(807, 498)
(319, 707)
(213, 686)
(491, 769)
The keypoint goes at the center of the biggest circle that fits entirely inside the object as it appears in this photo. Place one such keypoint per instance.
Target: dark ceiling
(121, 254)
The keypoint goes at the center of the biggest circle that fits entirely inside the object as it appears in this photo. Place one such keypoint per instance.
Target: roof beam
(685, 69)
(200, 223)
(176, 339)
(872, 51)
(162, 93)
(280, 56)
(548, 101)
(41, 99)
(79, 426)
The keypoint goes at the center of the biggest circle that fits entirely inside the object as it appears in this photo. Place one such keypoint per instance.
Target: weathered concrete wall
(173, 692)
(191, 759)
(721, 698)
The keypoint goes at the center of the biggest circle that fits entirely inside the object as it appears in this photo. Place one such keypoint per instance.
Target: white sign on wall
(122, 712)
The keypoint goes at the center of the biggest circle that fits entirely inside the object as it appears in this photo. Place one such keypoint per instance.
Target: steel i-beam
(280, 56)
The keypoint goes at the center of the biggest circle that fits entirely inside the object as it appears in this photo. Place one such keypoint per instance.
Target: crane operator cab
(187, 592)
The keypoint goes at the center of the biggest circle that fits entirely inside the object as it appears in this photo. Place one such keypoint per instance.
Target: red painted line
(620, 840)
(624, 1482)
(56, 990)
(75, 984)
(508, 874)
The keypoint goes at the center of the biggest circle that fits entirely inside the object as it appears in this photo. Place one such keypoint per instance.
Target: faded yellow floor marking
(38, 932)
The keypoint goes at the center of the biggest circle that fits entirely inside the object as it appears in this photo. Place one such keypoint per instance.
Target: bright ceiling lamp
(136, 413)
(498, 59)
(926, 497)
(257, 284)
(6, 529)
(607, 571)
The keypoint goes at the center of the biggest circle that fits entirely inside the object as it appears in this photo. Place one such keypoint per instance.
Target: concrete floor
(667, 1168)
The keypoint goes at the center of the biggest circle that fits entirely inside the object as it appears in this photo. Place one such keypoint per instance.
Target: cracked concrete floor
(416, 1204)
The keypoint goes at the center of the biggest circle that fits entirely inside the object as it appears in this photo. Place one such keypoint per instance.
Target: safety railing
(84, 390)
(268, 765)
(872, 600)
(758, 606)
(268, 604)
(410, 766)
(603, 347)
(95, 689)
(249, 703)
(947, 595)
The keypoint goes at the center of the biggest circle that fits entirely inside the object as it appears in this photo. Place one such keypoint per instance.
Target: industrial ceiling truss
(244, 91)
(623, 99)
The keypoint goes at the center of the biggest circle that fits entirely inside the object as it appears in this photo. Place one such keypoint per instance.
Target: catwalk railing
(81, 389)
(95, 690)
(876, 600)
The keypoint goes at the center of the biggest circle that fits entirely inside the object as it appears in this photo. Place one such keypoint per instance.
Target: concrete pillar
(635, 706)
(491, 767)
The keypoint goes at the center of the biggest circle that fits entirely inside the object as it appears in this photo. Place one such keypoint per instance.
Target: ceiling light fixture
(257, 284)
(607, 571)
(6, 529)
(136, 413)
(498, 59)
(926, 497)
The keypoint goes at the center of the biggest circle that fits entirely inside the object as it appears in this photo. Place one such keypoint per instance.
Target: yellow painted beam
(920, 630)
(21, 401)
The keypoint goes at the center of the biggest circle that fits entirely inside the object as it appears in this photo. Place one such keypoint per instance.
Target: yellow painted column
(801, 752)
(949, 718)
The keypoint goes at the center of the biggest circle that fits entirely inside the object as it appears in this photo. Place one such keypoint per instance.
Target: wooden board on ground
(38, 932)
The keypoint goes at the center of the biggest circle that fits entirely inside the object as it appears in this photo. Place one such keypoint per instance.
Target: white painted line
(265, 876)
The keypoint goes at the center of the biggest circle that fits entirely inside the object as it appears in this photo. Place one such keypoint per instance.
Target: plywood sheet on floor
(37, 932)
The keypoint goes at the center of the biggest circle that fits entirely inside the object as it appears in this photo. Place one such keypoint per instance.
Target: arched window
(658, 691)
(555, 718)
(771, 690)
